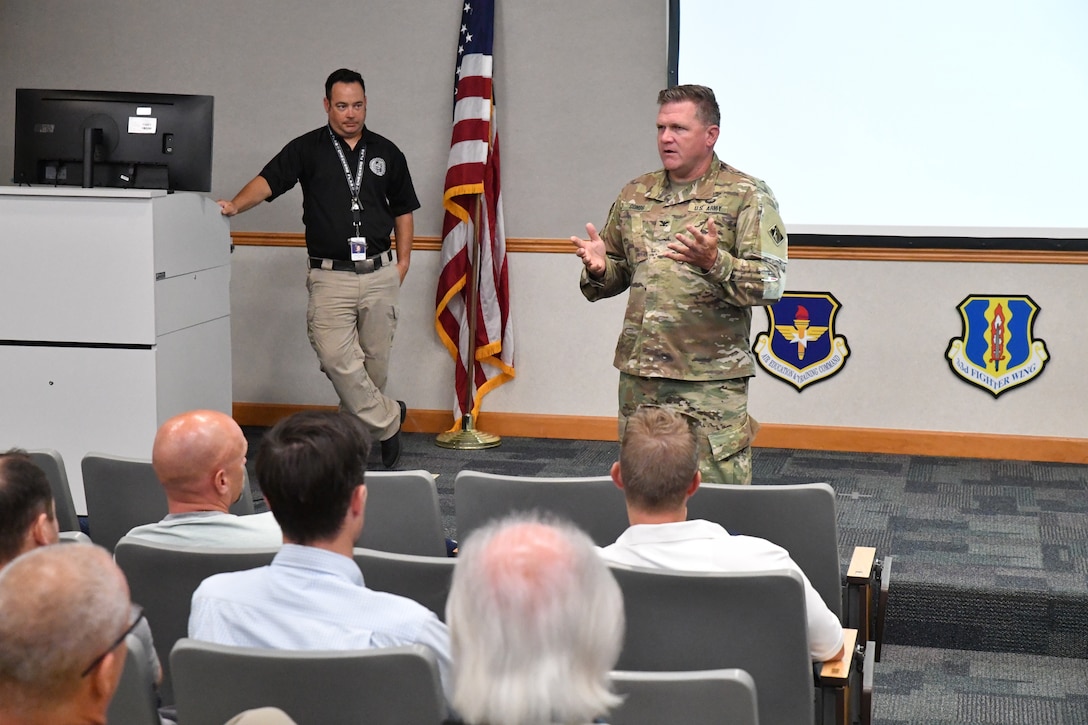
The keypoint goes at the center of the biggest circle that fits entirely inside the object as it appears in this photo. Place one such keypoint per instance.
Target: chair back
(50, 461)
(122, 493)
(592, 503)
(134, 702)
(162, 580)
(244, 505)
(402, 514)
(425, 579)
(754, 621)
(798, 517)
(702, 697)
(387, 685)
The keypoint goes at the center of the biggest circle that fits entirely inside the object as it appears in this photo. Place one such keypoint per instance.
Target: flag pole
(468, 438)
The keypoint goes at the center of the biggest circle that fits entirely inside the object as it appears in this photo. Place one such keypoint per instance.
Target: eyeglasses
(138, 613)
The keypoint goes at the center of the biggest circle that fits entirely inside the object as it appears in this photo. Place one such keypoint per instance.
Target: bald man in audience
(200, 457)
(536, 625)
(65, 614)
(658, 471)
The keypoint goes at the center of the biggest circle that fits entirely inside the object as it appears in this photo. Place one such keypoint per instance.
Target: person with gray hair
(536, 625)
(66, 613)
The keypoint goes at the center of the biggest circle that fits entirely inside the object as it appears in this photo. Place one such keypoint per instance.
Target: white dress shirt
(707, 547)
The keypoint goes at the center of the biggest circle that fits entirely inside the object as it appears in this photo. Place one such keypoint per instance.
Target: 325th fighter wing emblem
(997, 351)
(800, 346)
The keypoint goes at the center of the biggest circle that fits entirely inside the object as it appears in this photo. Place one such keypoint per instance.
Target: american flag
(473, 197)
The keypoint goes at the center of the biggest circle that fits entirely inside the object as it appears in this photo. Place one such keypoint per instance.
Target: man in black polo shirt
(356, 189)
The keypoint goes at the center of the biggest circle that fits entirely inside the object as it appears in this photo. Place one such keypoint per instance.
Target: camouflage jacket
(683, 323)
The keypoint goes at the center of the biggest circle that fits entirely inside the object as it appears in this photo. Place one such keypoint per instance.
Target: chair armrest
(836, 673)
(860, 570)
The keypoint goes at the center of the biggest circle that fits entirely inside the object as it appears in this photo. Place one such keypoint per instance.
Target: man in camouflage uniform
(698, 244)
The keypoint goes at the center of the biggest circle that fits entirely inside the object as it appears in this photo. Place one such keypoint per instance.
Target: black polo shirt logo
(377, 165)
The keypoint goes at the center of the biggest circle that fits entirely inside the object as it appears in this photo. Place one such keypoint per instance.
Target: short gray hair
(62, 606)
(706, 105)
(536, 624)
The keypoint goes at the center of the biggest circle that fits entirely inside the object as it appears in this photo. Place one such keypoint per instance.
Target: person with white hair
(536, 625)
(65, 615)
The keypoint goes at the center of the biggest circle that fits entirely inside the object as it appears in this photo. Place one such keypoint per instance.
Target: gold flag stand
(468, 438)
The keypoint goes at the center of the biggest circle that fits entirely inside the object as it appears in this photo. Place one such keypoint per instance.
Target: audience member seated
(658, 471)
(536, 622)
(66, 613)
(28, 521)
(27, 512)
(311, 467)
(200, 457)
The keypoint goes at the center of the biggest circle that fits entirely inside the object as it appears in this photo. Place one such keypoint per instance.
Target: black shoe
(391, 446)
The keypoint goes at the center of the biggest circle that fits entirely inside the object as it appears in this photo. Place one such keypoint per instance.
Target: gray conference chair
(391, 685)
(50, 461)
(425, 579)
(593, 503)
(754, 621)
(121, 493)
(162, 580)
(402, 514)
(702, 697)
(74, 537)
(135, 702)
(802, 519)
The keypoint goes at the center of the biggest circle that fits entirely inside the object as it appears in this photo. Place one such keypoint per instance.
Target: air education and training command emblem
(800, 346)
(997, 351)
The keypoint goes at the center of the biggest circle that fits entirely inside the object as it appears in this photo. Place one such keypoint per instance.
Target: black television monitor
(115, 139)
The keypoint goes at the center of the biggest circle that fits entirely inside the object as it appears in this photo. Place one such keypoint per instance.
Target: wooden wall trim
(867, 254)
(771, 435)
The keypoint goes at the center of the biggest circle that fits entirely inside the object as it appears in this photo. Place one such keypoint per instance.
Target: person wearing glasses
(28, 521)
(66, 613)
(357, 205)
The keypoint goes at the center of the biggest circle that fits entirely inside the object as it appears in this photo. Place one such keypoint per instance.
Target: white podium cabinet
(114, 316)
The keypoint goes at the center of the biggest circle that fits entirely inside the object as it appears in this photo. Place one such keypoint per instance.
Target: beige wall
(576, 87)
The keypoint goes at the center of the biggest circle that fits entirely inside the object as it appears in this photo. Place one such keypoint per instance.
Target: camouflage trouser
(718, 407)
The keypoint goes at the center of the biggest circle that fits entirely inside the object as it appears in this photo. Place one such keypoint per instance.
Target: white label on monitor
(143, 110)
(136, 124)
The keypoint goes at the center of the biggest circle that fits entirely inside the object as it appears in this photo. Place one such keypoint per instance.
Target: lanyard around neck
(354, 184)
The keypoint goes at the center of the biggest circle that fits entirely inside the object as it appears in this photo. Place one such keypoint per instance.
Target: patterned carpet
(988, 616)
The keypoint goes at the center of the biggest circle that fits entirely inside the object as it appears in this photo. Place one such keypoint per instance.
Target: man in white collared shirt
(312, 596)
(658, 471)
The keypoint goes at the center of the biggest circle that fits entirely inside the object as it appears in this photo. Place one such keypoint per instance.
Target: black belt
(363, 266)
